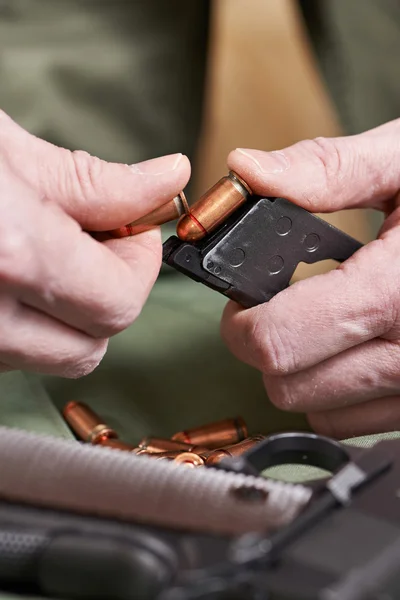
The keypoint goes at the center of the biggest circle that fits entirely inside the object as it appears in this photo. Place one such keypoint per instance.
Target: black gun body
(57, 554)
(353, 553)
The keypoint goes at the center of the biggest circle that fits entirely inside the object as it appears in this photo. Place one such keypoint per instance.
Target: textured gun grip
(63, 474)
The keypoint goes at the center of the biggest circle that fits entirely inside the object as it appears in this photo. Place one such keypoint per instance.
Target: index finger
(97, 288)
(327, 174)
(99, 195)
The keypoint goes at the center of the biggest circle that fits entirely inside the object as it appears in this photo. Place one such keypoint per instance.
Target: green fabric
(170, 370)
(123, 79)
(25, 404)
(357, 45)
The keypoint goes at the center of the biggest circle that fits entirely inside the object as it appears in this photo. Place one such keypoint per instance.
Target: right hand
(329, 345)
(62, 293)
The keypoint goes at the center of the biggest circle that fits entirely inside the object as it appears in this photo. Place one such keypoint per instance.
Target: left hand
(329, 346)
(63, 294)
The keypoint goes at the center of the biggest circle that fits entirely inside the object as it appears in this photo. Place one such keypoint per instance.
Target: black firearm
(85, 522)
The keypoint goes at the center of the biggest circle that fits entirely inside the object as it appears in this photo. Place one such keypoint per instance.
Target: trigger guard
(298, 448)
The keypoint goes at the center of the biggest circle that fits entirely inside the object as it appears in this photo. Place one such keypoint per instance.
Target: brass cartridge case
(154, 444)
(170, 211)
(170, 455)
(234, 450)
(213, 208)
(86, 424)
(214, 435)
(189, 459)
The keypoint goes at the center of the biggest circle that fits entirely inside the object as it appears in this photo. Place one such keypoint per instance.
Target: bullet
(118, 445)
(170, 211)
(214, 435)
(153, 444)
(86, 424)
(213, 208)
(170, 455)
(234, 450)
(189, 459)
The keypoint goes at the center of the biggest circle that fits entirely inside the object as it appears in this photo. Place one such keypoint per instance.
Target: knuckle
(374, 269)
(387, 366)
(87, 173)
(13, 252)
(272, 348)
(327, 153)
(326, 150)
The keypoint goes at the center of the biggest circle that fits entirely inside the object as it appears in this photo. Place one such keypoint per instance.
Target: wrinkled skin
(329, 345)
(63, 294)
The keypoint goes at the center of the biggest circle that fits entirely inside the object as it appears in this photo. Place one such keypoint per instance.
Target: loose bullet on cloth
(154, 444)
(84, 422)
(196, 447)
(214, 435)
(234, 450)
(119, 445)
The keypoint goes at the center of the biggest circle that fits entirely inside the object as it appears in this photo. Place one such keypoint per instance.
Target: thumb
(327, 174)
(98, 194)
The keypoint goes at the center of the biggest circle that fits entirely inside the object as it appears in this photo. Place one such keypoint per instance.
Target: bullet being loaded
(214, 435)
(234, 450)
(86, 424)
(170, 211)
(213, 208)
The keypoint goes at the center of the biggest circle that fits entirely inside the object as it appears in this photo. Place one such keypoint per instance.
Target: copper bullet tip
(70, 405)
(189, 229)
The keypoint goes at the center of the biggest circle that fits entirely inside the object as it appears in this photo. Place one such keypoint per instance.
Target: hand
(62, 293)
(329, 345)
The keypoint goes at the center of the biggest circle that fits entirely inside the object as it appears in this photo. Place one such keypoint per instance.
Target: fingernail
(157, 166)
(267, 162)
